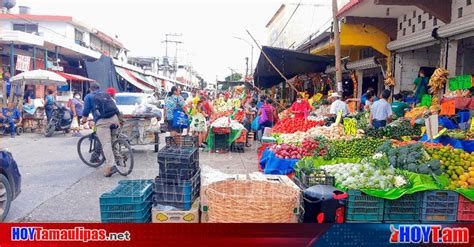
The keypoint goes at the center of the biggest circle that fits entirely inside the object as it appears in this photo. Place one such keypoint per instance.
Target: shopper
(11, 116)
(106, 117)
(48, 104)
(112, 92)
(77, 106)
(398, 106)
(337, 105)
(300, 107)
(271, 116)
(370, 98)
(198, 125)
(173, 102)
(381, 111)
(29, 95)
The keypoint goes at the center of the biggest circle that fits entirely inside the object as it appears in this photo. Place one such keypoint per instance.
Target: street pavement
(58, 187)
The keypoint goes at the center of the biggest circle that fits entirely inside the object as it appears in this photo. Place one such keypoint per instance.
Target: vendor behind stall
(337, 105)
(300, 107)
(381, 111)
(398, 106)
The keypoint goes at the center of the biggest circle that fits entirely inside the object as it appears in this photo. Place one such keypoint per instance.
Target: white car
(128, 102)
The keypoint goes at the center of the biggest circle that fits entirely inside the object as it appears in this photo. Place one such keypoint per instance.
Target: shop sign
(23, 63)
(460, 82)
(51, 66)
(350, 126)
(339, 117)
(448, 108)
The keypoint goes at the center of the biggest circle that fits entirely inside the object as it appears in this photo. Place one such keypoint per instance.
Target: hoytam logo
(75, 234)
(434, 234)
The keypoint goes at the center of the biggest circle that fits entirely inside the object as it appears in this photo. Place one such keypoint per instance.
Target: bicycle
(93, 155)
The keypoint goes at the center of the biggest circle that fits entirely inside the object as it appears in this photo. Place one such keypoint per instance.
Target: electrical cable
(286, 24)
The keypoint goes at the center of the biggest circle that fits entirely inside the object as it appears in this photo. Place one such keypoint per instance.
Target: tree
(234, 77)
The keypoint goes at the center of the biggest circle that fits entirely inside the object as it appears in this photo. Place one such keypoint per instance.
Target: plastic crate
(404, 209)
(363, 208)
(242, 138)
(465, 209)
(179, 156)
(176, 192)
(237, 147)
(135, 214)
(221, 143)
(439, 206)
(182, 141)
(177, 171)
(128, 192)
(317, 177)
(127, 207)
(145, 219)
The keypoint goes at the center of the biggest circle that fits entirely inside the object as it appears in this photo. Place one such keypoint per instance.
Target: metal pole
(337, 46)
(251, 60)
(34, 57)
(45, 59)
(12, 59)
(246, 67)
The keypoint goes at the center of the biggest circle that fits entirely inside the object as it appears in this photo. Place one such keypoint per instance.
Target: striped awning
(128, 76)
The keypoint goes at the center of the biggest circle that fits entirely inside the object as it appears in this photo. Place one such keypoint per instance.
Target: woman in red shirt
(301, 107)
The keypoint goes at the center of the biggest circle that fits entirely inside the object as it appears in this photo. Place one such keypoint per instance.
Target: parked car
(127, 103)
(10, 182)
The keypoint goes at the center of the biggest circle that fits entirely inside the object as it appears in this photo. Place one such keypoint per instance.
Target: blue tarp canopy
(290, 63)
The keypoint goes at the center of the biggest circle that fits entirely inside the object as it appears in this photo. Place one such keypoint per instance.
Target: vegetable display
(333, 132)
(458, 166)
(356, 148)
(412, 157)
(396, 130)
(222, 122)
(366, 175)
(292, 125)
(285, 151)
(314, 147)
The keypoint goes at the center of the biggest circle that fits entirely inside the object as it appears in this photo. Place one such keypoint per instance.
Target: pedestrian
(421, 86)
(77, 106)
(112, 92)
(29, 95)
(198, 126)
(48, 104)
(209, 110)
(300, 108)
(337, 105)
(173, 102)
(6, 81)
(370, 97)
(106, 117)
(381, 111)
(250, 111)
(398, 106)
(11, 116)
(267, 110)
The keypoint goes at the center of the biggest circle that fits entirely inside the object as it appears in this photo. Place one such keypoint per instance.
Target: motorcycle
(61, 120)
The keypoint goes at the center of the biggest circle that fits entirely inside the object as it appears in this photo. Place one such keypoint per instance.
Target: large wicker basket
(247, 201)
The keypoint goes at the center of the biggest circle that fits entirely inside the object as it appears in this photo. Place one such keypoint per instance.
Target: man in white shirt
(337, 105)
(381, 111)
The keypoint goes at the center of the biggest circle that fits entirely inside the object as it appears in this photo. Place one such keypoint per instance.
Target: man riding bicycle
(106, 116)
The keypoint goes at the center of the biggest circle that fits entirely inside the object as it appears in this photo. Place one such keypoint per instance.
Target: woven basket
(247, 201)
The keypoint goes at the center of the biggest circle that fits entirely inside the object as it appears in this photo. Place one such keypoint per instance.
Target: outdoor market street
(58, 187)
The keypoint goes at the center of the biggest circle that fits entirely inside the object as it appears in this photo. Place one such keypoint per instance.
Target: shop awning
(75, 78)
(141, 78)
(127, 75)
(355, 37)
(290, 63)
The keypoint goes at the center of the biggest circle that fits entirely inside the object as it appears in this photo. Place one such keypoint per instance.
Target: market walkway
(58, 187)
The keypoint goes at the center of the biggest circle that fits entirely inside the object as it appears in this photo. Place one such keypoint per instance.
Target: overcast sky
(208, 27)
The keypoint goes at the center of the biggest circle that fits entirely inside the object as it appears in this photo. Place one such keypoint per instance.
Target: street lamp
(251, 51)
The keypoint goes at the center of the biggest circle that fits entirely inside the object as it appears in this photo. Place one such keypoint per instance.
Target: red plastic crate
(243, 137)
(465, 209)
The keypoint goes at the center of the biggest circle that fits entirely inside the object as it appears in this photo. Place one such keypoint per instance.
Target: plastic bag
(75, 123)
(180, 119)
(263, 117)
(255, 126)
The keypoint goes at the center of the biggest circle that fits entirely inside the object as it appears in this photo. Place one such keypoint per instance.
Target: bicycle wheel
(123, 156)
(90, 150)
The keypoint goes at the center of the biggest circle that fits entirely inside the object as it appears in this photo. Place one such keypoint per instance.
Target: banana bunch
(438, 80)
(390, 81)
(435, 99)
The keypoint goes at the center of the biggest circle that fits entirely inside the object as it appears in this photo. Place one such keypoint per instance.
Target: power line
(283, 29)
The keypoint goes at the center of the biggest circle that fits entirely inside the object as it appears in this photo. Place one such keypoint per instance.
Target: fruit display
(395, 130)
(285, 151)
(416, 112)
(458, 166)
(459, 134)
(218, 115)
(356, 148)
(438, 80)
(292, 125)
(366, 175)
(411, 157)
(239, 116)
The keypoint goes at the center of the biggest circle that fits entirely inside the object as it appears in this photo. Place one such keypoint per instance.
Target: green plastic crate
(363, 208)
(128, 192)
(406, 209)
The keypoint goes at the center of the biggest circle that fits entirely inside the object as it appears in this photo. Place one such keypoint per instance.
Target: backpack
(105, 106)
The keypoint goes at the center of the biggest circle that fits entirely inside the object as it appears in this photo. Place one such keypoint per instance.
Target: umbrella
(39, 77)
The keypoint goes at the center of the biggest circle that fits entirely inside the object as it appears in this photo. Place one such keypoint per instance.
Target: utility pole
(166, 41)
(246, 67)
(337, 46)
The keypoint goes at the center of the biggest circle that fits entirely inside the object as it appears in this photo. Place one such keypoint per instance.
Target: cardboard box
(191, 216)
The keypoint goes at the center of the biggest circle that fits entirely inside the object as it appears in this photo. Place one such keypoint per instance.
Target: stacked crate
(129, 202)
(179, 180)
